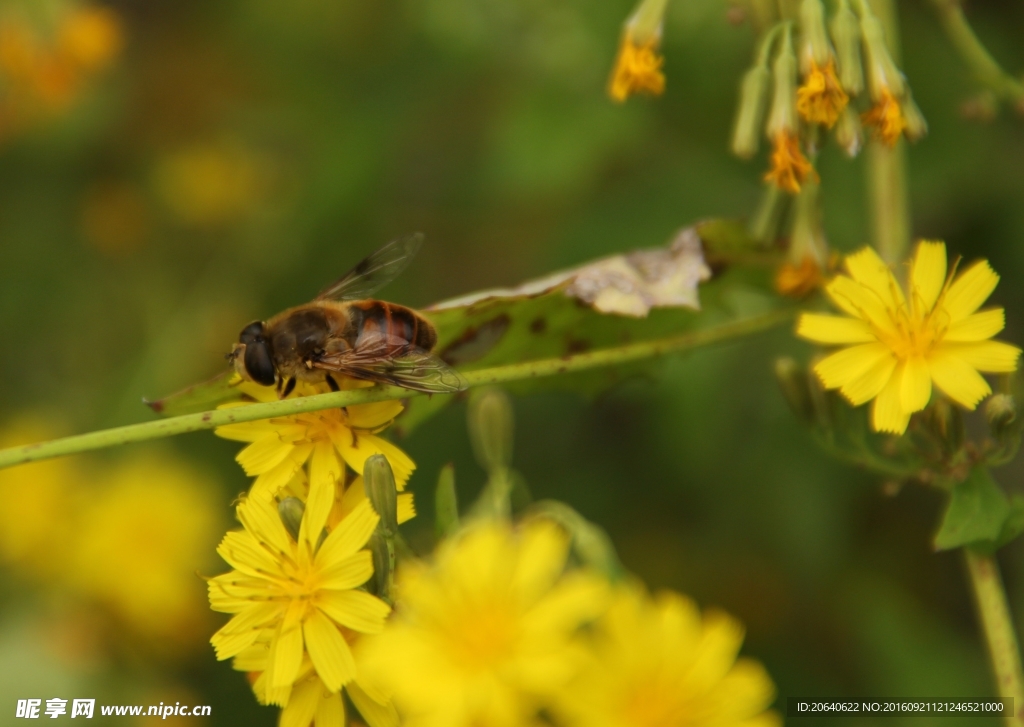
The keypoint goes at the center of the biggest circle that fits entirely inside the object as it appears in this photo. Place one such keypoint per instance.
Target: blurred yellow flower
(310, 701)
(90, 37)
(821, 98)
(798, 281)
(658, 662)
(789, 165)
(637, 69)
(886, 116)
(897, 346)
(299, 595)
(327, 439)
(144, 531)
(486, 634)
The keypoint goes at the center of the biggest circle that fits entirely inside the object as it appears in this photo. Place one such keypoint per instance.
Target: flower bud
(644, 25)
(379, 481)
(446, 505)
(814, 44)
(946, 423)
(846, 36)
(916, 126)
(291, 510)
(1001, 412)
(849, 132)
(793, 382)
(750, 113)
(882, 71)
(382, 554)
(490, 428)
(782, 118)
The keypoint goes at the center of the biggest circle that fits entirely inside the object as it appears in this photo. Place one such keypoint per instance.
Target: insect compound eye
(259, 364)
(252, 333)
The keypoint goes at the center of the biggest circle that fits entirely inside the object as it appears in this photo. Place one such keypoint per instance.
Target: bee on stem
(342, 332)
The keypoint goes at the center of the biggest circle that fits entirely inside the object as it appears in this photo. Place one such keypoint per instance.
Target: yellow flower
(90, 37)
(790, 167)
(798, 281)
(297, 595)
(310, 701)
(141, 536)
(486, 635)
(821, 98)
(886, 116)
(327, 439)
(658, 662)
(898, 345)
(637, 69)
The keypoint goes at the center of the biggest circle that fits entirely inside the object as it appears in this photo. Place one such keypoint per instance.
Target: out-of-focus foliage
(231, 158)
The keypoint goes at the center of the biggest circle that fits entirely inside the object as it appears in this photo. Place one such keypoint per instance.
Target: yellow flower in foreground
(789, 165)
(637, 69)
(311, 702)
(899, 345)
(327, 439)
(887, 118)
(659, 663)
(297, 595)
(487, 634)
(821, 98)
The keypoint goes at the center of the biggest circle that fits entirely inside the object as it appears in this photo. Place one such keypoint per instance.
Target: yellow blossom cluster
(296, 589)
(45, 71)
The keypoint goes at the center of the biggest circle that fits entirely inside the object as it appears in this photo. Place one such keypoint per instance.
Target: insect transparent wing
(414, 369)
(376, 271)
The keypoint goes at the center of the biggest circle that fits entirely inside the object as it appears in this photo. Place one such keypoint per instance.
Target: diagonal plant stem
(997, 625)
(495, 375)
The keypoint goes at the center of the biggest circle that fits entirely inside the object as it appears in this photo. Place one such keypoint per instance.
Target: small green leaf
(977, 512)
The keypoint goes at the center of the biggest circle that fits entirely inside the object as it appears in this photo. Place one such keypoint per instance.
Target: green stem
(887, 169)
(288, 407)
(997, 624)
(984, 67)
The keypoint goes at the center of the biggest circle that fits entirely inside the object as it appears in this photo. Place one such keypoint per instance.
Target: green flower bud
(1001, 412)
(795, 387)
(490, 428)
(814, 45)
(946, 423)
(382, 553)
(882, 71)
(291, 510)
(446, 505)
(849, 132)
(916, 126)
(783, 113)
(846, 36)
(379, 481)
(750, 113)
(644, 25)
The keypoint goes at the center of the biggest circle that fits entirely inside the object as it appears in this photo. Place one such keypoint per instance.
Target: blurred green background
(223, 161)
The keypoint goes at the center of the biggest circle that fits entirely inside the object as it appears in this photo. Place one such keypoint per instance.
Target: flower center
(485, 637)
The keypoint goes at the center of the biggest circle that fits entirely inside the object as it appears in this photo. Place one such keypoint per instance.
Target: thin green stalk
(887, 169)
(496, 375)
(984, 67)
(997, 624)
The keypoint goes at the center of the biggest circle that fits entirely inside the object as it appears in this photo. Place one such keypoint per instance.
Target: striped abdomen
(403, 328)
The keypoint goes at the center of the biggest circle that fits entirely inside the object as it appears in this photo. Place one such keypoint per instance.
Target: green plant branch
(495, 375)
(997, 625)
(984, 67)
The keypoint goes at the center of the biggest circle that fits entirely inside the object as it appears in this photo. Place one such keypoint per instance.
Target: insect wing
(414, 369)
(376, 271)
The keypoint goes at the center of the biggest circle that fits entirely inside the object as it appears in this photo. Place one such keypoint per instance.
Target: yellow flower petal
(263, 455)
(243, 552)
(285, 657)
(351, 535)
(302, 705)
(324, 471)
(375, 713)
(990, 356)
(849, 364)
(970, 290)
(406, 507)
(958, 379)
(374, 416)
(887, 413)
(833, 329)
(543, 550)
(867, 386)
(860, 302)
(268, 484)
(328, 651)
(330, 711)
(866, 268)
(356, 610)
(928, 273)
(916, 387)
(977, 326)
(349, 572)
